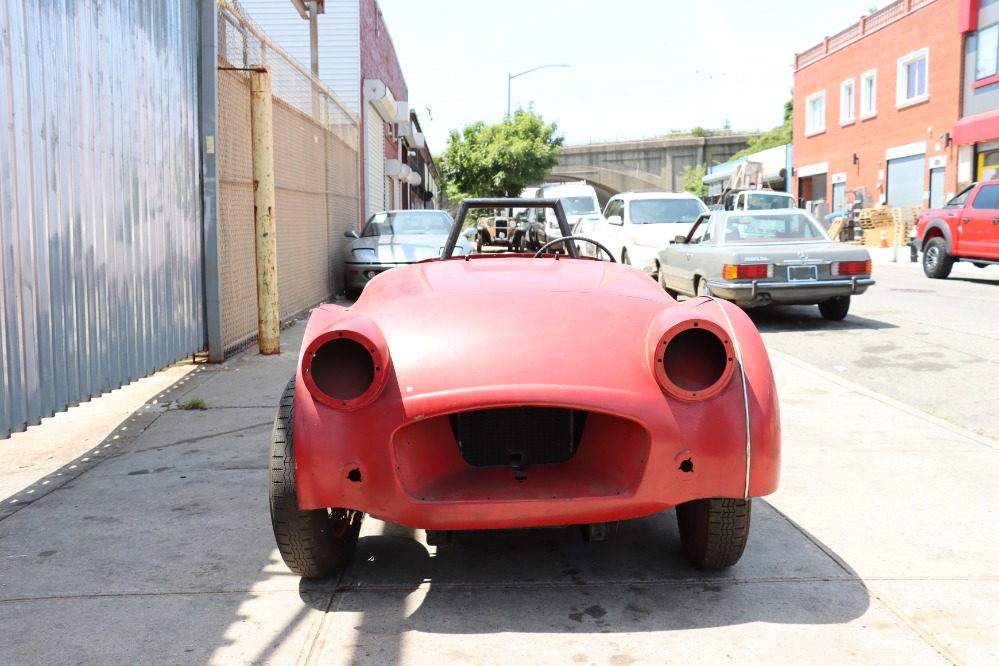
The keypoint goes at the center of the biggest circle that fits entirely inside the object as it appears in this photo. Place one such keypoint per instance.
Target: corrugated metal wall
(316, 175)
(100, 238)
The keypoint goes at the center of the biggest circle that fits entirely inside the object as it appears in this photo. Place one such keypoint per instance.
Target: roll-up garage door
(375, 171)
(905, 180)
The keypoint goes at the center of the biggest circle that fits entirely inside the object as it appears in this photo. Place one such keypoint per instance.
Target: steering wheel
(541, 250)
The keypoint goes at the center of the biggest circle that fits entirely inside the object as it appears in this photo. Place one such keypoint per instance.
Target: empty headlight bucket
(694, 359)
(345, 369)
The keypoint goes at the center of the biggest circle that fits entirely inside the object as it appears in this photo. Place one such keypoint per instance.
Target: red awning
(977, 128)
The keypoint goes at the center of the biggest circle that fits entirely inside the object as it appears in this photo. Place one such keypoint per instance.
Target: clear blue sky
(637, 68)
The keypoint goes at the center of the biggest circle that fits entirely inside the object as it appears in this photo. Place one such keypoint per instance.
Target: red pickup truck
(965, 229)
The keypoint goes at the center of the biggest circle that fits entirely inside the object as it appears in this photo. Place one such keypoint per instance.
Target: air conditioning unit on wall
(380, 97)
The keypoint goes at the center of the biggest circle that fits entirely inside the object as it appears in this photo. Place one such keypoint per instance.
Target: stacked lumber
(894, 221)
(835, 228)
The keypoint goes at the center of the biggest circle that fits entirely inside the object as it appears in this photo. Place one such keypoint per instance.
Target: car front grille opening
(518, 437)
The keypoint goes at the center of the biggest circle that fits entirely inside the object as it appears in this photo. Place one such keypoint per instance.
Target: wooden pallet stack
(894, 221)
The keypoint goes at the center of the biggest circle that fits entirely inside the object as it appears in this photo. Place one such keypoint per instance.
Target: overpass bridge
(648, 164)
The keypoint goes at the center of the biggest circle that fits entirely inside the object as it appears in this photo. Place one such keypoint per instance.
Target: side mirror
(351, 234)
(680, 240)
(541, 216)
(615, 220)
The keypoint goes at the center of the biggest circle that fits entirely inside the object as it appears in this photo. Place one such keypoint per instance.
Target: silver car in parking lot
(395, 238)
(765, 257)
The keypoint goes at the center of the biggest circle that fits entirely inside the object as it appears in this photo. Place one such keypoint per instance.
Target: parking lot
(151, 543)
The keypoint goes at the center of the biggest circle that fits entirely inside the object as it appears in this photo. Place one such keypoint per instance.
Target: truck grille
(518, 437)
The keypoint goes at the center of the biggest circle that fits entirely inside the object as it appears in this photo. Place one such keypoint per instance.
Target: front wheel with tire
(314, 543)
(835, 309)
(936, 261)
(714, 531)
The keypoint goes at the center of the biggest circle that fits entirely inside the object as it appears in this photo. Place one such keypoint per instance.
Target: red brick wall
(935, 27)
(378, 58)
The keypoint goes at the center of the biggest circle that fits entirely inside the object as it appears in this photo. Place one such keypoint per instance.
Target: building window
(987, 57)
(913, 73)
(815, 113)
(869, 94)
(846, 114)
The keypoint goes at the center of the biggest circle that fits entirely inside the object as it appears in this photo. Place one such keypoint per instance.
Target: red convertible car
(394, 412)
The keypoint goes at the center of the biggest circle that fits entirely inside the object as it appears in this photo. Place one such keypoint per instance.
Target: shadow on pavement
(551, 581)
(776, 318)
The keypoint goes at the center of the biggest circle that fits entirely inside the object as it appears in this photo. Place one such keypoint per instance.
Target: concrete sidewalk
(152, 543)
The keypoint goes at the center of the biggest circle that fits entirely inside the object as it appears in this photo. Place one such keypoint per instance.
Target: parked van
(579, 201)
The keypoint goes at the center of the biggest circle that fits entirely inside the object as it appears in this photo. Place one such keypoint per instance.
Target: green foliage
(700, 131)
(197, 402)
(499, 160)
(693, 177)
(778, 136)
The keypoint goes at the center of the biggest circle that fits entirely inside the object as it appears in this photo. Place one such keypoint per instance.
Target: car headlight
(645, 242)
(346, 368)
(693, 359)
(365, 254)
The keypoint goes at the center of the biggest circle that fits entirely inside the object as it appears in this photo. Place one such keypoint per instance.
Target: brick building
(876, 107)
(977, 133)
(357, 60)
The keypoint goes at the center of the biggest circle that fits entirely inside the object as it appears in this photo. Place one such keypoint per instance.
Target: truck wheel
(936, 262)
(316, 543)
(835, 309)
(714, 531)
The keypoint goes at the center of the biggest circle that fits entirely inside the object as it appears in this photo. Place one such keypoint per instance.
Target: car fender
(935, 229)
(483, 234)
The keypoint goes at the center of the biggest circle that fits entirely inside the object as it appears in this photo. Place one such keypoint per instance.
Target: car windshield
(768, 201)
(656, 211)
(773, 228)
(407, 222)
(579, 205)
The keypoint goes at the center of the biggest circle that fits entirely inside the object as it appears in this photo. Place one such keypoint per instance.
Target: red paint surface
(511, 330)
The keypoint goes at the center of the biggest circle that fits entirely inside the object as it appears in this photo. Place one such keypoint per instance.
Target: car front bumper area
(359, 275)
(480, 467)
(804, 292)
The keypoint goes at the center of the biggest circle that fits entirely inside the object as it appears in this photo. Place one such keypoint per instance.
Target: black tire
(624, 258)
(662, 283)
(936, 260)
(835, 309)
(315, 543)
(478, 244)
(714, 531)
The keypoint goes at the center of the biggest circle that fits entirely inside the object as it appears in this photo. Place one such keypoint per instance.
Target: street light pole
(511, 77)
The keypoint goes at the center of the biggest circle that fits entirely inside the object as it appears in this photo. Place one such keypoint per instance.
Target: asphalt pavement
(135, 531)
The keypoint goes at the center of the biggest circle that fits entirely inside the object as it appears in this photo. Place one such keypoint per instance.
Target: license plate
(796, 273)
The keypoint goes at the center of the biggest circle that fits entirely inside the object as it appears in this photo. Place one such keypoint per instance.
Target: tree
(693, 177)
(499, 160)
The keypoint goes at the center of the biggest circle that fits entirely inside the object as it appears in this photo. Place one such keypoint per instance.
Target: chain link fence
(316, 175)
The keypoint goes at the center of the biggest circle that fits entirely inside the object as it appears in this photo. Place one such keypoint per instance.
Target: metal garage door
(905, 181)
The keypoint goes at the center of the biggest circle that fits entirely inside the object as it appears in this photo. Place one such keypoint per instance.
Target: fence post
(268, 312)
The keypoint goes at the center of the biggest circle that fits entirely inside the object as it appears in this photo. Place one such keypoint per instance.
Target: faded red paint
(586, 334)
